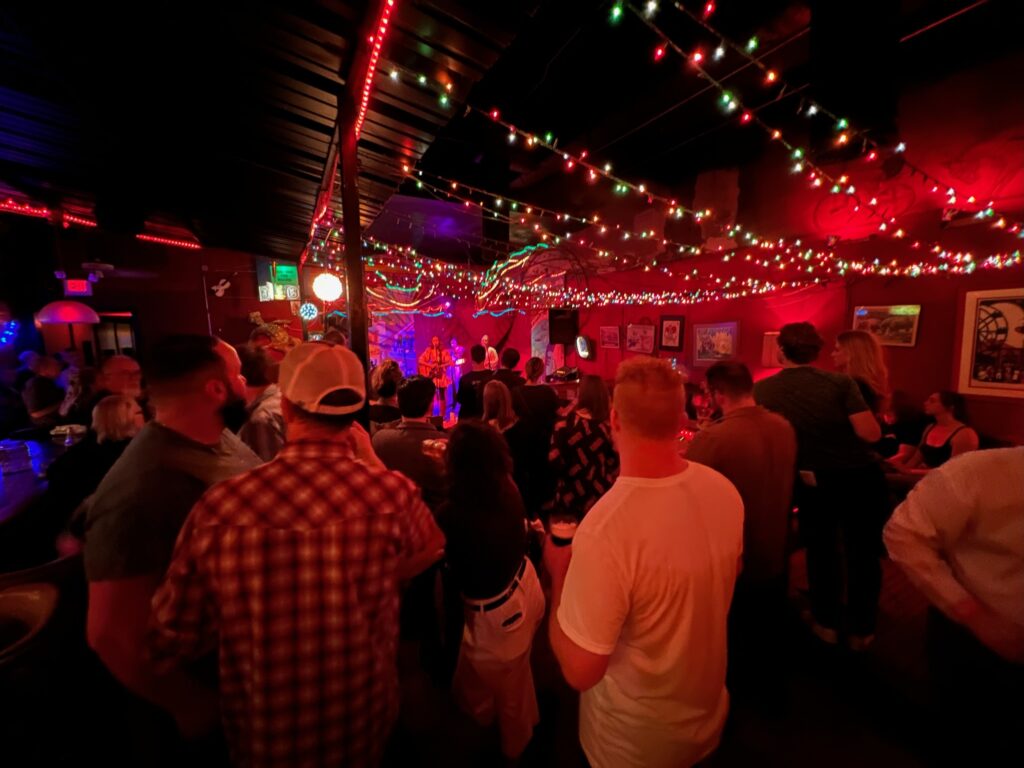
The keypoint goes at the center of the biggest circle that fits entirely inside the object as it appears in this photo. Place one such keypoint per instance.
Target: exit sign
(77, 288)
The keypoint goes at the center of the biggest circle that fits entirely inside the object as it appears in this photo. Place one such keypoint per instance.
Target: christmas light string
(845, 133)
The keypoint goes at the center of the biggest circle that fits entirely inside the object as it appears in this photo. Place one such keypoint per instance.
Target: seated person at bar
(904, 423)
(400, 444)
(138, 509)
(639, 599)
(42, 395)
(959, 536)
(485, 528)
(756, 450)
(949, 436)
(470, 396)
(292, 570)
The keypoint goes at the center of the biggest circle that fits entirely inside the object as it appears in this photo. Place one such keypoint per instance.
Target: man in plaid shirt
(293, 571)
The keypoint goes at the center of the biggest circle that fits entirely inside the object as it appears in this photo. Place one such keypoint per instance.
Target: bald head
(649, 401)
(121, 375)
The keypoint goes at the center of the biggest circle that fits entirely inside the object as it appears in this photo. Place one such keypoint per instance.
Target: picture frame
(771, 354)
(713, 342)
(609, 336)
(640, 338)
(992, 347)
(671, 336)
(894, 325)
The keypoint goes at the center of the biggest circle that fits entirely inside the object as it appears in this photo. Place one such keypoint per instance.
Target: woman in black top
(539, 405)
(485, 529)
(949, 436)
(859, 355)
(499, 413)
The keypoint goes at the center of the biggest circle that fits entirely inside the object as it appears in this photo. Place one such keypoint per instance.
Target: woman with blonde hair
(859, 355)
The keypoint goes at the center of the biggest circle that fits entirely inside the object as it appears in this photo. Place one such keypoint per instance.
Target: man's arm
(423, 542)
(582, 668)
(866, 426)
(116, 625)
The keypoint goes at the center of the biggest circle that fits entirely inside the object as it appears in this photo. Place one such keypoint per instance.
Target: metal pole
(356, 285)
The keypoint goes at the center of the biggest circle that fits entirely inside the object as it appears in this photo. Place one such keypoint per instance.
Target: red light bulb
(771, 76)
(697, 56)
(659, 53)
(709, 8)
(746, 117)
(495, 114)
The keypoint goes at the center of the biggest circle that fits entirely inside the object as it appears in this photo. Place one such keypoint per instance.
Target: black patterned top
(584, 463)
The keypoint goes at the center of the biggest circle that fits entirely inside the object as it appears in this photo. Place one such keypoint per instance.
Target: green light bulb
(752, 43)
(549, 137)
(843, 124)
(616, 13)
(798, 153)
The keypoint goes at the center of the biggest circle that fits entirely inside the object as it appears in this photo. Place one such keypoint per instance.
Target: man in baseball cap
(301, 561)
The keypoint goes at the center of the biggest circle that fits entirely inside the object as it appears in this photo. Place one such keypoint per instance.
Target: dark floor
(833, 709)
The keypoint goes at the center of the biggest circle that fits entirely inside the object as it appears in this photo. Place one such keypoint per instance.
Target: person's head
(261, 337)
(534, 369)
(478, 464)
(334, 336)
(121, 375)
(47, 366)
(478, 355)
(256, 368)
(435, 341)
(116, 418)
(800, 343)
(729, 384)
(416, 397)
(498, 404)
(946, 404)
(453, 343)
(199, 377)
(485, 341)
(649, 405)
(593, 397)
(510, 358)
(385, 379)
(322, 390)
(859, 354)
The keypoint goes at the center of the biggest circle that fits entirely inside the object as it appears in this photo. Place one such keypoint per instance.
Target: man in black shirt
(840, 492)
(471, 386)
(507, 374)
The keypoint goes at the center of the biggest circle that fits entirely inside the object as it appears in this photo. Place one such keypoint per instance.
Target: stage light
(327, 287)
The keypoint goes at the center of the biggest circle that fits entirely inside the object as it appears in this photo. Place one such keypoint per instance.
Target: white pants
(493, 676)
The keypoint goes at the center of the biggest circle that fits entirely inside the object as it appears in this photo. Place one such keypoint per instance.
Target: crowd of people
(254, 554)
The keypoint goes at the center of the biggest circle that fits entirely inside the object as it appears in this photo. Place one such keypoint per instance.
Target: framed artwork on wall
(715, 341)
(992, 351)
(672, 332)
(640, 338)
(609, 337)
(894, 325)
(771, 355)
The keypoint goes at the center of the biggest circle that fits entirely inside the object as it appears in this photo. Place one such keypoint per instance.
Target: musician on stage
(491, 361)
(458, 354)
(434, 364)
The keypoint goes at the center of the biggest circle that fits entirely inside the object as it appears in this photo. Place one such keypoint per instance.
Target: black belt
(500, 601)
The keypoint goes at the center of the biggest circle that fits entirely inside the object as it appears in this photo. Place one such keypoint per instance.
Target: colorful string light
(377, 41)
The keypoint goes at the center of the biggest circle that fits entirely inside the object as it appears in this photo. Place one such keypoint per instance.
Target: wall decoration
(672, 332)
(771, 355)
(894, 325)
(640, 338)
(610, 337)
(715, 341)
(992, 353)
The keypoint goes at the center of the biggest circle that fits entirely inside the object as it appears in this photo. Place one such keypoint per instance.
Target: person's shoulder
(711, 483)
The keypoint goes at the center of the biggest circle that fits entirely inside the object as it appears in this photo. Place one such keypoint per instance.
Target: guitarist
(434, 364)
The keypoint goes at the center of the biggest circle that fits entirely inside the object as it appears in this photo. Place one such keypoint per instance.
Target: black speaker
(563, 326)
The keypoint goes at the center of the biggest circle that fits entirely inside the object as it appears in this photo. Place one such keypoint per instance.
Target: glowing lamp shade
(327, 287)
(67, 312)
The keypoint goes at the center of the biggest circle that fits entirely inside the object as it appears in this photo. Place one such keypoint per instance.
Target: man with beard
(198, 395)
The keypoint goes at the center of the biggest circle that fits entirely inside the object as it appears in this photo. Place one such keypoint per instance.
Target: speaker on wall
(563, 326)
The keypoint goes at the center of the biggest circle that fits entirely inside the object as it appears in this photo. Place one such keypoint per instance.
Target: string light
(615, 15)
(378, 41)
(173, 242)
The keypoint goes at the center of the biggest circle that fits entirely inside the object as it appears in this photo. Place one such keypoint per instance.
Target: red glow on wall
(377, 41)
(169, 241)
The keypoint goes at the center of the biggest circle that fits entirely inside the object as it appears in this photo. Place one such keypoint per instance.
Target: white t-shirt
(651, 578)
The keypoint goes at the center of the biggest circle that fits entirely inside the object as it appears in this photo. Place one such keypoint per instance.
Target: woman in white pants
(485, 525)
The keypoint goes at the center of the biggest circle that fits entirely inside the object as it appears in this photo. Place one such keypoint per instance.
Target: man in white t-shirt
(639, 614)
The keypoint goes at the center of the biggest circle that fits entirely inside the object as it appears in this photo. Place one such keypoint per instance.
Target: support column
(355, 288)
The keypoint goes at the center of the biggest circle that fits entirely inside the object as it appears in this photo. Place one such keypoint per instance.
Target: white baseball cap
(323, 378)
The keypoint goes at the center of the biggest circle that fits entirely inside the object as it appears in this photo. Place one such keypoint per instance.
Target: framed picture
(894, 325)
(992, 353)
(672, 332)
(609, 337)
(640, 338)
(715, 341)
(771, 355)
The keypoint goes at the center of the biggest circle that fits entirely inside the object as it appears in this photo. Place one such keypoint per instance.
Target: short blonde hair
(498, 404)
(649, 398)
(113, 419)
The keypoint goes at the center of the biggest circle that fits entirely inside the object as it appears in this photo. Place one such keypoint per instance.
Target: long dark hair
(479, 465)
(593, 396)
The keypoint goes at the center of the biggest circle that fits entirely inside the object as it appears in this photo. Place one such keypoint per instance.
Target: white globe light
(327, 287)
